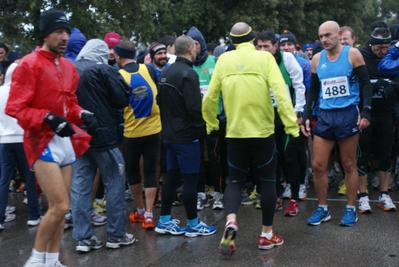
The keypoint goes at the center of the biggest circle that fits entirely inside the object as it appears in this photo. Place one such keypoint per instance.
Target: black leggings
(376, 138)
(297, 167)
(133, 148)
(241, 153)
(189, 195)
(292, 166)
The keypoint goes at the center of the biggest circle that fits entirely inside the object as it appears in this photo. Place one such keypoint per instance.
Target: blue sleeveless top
(338, 83)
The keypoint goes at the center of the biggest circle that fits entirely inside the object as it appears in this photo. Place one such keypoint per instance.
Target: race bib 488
(335, 87)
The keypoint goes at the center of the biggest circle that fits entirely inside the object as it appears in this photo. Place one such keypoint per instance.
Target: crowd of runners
(89, 124)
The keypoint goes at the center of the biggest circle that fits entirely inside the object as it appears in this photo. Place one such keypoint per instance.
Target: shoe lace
(319, 212)
(202, 224)
(387, 200)
(95, 212)
(174, 221)
(363, 200)
(349, 212)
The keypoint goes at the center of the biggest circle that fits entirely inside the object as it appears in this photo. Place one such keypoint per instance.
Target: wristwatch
(298, 114)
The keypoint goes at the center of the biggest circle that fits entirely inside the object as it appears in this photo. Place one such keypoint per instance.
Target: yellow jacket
(243, 77)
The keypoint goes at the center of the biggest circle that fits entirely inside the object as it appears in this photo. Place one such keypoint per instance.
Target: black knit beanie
(287, 36)
(51, 20)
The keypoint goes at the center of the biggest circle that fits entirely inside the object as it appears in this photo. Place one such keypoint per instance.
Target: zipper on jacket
(57, 65)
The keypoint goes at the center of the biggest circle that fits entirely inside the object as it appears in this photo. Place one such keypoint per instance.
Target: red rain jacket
(42, 83)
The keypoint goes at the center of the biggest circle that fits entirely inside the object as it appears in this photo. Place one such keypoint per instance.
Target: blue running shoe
(170, 227)
(349, 218)
(200, 229)
(320, 215)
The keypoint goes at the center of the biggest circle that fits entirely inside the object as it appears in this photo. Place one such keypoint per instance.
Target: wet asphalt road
(373, 241)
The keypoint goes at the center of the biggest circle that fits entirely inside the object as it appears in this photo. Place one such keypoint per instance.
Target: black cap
(394, 29)
(287, 36)
(51, 20)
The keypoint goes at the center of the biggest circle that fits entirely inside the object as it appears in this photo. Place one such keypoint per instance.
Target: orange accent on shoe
(365, 211)
(381, 206)
(148, 223)
(136, 217)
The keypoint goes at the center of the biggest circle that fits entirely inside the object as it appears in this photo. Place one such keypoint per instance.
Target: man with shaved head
(179, 99)
(243, 77)
(340, 77)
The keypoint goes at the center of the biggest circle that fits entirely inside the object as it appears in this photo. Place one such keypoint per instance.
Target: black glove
(381, 83)
(291, 149)
(90, 121)
(389, 93)
(395, 83)
(59, 124)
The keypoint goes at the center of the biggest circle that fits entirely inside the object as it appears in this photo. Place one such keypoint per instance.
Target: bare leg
(55, 182)
(150, 194)
(348, 158)
(384, 180)
(321, 149)
(231, 216)
(362, 183)
(137, 191)
(266, 229)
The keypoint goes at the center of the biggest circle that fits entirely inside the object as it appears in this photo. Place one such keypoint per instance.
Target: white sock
(51, 259)
(148, 214)
(267, 235)
(351, 207)
(325, 207)
(99, 201)
(37, 257)
(140, 211)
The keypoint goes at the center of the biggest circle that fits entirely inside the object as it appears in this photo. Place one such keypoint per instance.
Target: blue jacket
(76, 42)
(390, 62)
(194, 33)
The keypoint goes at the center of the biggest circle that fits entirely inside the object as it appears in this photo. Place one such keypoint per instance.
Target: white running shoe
(302, 194)
(385, 203)
(364, 206)
(217, 201)
(287, 191)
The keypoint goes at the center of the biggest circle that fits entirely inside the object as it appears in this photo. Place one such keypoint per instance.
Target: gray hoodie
(94, 50)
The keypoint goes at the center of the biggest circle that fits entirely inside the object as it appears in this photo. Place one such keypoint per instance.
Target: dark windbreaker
(101, 90)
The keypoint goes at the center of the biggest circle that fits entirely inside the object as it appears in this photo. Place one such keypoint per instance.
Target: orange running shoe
(148, 223)
(136, 217)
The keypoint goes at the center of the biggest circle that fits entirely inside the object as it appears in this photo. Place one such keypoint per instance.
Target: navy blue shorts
(186, 157)
(337, 124)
